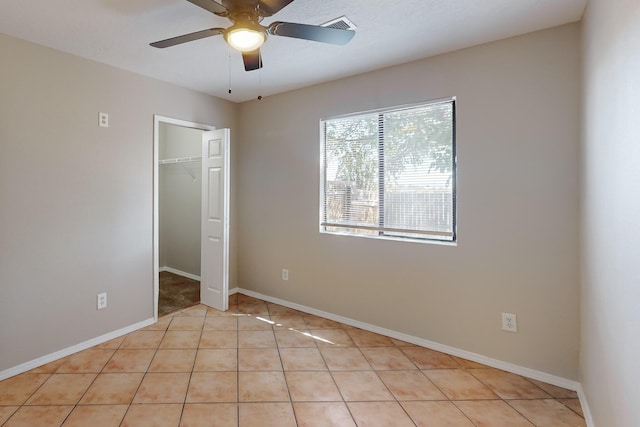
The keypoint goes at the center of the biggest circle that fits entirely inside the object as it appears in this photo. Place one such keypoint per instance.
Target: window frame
(387, 233)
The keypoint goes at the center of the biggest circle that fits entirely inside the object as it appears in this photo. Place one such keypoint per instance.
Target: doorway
(178, 204)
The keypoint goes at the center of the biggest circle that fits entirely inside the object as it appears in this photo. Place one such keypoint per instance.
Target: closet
(191, 210)
(179, 199)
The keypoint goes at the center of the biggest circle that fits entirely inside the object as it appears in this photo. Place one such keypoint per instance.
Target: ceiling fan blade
(252, 60)
(311, 32)
(211, 6)
(188, 37)
(271, 7)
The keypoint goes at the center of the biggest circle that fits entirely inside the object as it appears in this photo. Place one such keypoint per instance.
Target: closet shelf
(179, 160)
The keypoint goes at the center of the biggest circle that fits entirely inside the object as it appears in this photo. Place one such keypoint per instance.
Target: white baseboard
(499, 364)
(584, 403)
(27, 366)
(179, 273)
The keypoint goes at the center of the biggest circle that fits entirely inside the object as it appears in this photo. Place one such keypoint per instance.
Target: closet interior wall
(179, 198)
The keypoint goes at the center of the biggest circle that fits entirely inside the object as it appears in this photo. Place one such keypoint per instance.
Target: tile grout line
(144, 374)
(344, 401)
(137, 388)
(92, 382)
(508, 401)
(521, 414)
(504, 399)
(284, 376)
(193, 366)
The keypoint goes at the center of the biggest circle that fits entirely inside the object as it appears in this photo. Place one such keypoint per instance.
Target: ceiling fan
(247, 34)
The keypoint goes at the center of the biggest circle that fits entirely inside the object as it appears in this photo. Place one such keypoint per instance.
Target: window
(391, 173)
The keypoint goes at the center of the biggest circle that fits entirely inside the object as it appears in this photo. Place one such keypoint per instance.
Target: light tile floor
(261, 364)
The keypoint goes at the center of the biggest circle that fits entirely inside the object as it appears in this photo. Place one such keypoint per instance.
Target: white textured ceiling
(118, 32)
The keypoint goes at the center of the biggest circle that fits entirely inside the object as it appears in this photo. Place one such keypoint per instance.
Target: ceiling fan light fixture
(245, 39)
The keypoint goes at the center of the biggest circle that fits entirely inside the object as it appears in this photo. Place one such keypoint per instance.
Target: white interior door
(214, 274)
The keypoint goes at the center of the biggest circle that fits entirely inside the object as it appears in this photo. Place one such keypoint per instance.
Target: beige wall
(518, 125)
(76, 202)
(179, 198)
(610, 343)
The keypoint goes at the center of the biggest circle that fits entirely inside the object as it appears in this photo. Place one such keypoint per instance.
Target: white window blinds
(390, 173)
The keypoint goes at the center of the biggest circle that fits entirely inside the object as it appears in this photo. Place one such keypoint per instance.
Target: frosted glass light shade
(245, 39)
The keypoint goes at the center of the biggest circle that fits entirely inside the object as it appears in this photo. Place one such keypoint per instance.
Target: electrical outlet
(103, 120)
(509, 322)
(285, 274)
(102, 301)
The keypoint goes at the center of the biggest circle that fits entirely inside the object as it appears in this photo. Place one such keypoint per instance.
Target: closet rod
(179, 160)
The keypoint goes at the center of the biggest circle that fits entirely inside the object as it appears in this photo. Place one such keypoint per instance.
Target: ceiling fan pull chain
(229, 66)
(260, 78)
